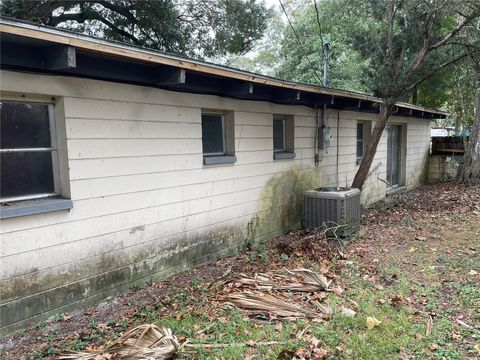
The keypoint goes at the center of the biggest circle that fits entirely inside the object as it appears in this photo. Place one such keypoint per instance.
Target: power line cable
(325, 46)
(300, 43)
(319, 24)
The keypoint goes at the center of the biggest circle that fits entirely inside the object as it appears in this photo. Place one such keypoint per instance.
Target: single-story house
(122, 165)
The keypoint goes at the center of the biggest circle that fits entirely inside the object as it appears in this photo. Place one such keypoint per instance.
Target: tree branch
(78, 17)
(463, 23)
(81, 17)
(434, 71)
(125, 11)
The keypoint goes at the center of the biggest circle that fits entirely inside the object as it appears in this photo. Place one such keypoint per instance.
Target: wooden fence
(448, 145)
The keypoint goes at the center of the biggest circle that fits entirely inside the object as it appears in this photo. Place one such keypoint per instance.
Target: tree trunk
(371, 150)
(460, 122)
(415, 96)
(470, 170)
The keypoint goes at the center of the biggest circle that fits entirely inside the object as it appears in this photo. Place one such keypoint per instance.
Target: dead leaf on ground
(338, 290)
(396, 300)
(286, 355)
(456, 336)
(372, 322)
(348, 312)
(325, 309)
(428, 332)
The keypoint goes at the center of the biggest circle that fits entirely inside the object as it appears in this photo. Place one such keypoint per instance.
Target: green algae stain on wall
(281, 203)
(419, 175)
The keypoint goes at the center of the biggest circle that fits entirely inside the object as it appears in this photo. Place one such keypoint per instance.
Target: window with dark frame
(360, 140)
(283, 137)
(28, 150)
(279, 134)
(213, 134)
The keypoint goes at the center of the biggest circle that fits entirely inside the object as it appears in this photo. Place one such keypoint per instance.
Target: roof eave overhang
(34, 48)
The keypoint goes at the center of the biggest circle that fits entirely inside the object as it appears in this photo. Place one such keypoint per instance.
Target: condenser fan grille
(331, 208)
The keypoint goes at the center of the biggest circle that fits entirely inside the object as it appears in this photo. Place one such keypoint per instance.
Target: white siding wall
(138, 183)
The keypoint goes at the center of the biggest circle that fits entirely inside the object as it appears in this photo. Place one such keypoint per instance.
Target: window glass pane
(278, 138)
(359, 148)
(24, 125)
(26, 173)
(212, 134)
(360, 131)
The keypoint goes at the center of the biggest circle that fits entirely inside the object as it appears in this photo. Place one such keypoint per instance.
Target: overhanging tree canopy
(199, 28)
(408, 42)
(390, 48)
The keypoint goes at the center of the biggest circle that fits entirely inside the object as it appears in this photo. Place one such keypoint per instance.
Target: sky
(271, 2)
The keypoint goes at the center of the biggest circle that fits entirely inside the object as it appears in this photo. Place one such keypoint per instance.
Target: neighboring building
(121, 165)
(439, 132)
(442, 131)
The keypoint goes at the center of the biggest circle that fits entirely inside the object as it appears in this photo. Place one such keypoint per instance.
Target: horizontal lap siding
(139, 164)
(138, 182)
(418, 145)
(118, 148)
(78, 128)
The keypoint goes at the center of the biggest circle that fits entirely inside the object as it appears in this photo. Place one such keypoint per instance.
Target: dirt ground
(414, 269)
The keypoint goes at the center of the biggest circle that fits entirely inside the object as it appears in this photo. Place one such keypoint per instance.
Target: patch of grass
(391, 282)
(469, 296)
(235, 332)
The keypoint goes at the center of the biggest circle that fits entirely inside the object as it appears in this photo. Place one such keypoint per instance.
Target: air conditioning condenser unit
(330, 207)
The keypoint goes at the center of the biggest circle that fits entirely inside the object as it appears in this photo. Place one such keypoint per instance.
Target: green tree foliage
(346, 68)
(407, 42)
(461, 103)
(264, 58)
(453, 90)
(200, 28)
(360, 61)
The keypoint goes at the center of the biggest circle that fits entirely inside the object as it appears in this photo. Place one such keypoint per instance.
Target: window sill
(222, 159)
(283, 155)
(359, 160)
(32, 207)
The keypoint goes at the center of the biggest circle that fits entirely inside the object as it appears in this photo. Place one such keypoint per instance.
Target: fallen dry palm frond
(222, 280)
(259, 281)
(305, 280)
(142, 342)
(264, 304)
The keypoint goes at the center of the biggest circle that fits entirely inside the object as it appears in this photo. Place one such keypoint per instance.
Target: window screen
(278, 134)
(213, 134)
(360, 139)
(28, 154)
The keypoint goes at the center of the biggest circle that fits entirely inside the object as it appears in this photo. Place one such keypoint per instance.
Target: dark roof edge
(118, 49)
